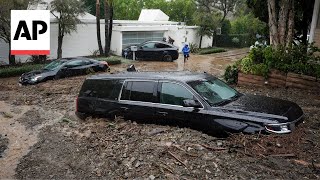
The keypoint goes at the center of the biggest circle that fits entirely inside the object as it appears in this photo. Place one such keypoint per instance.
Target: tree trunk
(290, 25)
(106, 27)
(12, 58)
(110, 23)
(200, 42)
(98, 27)
(274, 38)
(60, 41)
(305, 28)
(213, 43)
(282, 23)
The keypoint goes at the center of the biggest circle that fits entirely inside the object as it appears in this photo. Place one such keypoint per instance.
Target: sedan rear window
(149, 45)
(54, 65)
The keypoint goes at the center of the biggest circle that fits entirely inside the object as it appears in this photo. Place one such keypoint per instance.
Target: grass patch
(211, 50)
(11, 71)
(112, 60)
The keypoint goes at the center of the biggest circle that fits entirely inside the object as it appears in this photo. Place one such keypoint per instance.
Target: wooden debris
(261, 146)
(305, 163)
(175, 157)
(282, 155)
(213, 148)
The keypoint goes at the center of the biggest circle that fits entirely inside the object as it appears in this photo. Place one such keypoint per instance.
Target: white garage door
(130, 38)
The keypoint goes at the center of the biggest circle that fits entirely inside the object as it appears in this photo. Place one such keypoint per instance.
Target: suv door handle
(162, 113)
(124, 108)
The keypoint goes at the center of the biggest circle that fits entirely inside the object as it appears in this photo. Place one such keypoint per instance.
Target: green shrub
(248, 66)
(211, 50)
(231, 74)
(11, 71)
(260, 70)
(194, 48)
(111, 60)
(235, 40)
(225, 40)
(296, 59)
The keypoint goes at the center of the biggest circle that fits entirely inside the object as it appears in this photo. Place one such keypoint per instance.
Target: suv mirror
(191, 103)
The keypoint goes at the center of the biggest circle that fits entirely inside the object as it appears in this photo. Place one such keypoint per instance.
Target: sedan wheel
(167, 58)
(90, 71)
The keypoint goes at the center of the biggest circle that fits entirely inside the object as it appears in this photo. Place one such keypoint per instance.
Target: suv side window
(139, 91)
(125, 94)
(174, 94)
(105, 89)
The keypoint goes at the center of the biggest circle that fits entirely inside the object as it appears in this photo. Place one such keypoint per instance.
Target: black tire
(167, 58)
(57, 76)
(90, 71)
(81, 116)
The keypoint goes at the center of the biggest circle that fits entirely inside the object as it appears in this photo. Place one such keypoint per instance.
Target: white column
(314, 20)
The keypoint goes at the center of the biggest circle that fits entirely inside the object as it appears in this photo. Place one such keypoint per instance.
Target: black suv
(199, 101)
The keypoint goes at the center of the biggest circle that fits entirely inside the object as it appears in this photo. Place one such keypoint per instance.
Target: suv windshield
(53, 65)
(214, 91)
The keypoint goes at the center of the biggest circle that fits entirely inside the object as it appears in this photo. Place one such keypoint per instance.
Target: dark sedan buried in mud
(153, 50)
(198, 101)
(64, 68)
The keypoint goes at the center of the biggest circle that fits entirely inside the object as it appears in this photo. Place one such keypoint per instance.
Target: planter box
(249, 79)
(276, 78)
(280, 79)
(301, 81)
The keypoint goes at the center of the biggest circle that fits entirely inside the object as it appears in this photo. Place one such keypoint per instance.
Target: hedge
(18, 70)
(235, 40)
(112, 60)
(211, 50)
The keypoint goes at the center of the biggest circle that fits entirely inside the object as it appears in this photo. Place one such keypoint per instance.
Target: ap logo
(30, 32)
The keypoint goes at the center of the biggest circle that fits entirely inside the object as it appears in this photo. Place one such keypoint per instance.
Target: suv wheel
(167, 58)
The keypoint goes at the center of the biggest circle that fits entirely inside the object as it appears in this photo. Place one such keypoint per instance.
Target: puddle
(20, 138)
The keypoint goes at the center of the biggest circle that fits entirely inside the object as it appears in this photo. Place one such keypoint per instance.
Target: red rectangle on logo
(30, 52)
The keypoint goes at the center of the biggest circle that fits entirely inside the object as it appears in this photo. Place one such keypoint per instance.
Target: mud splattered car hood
(268, 105)
(26, 77)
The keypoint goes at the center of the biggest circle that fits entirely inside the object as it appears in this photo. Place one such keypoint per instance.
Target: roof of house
(153, 15)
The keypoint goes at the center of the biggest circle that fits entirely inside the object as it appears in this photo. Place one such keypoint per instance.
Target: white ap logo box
(30, 32)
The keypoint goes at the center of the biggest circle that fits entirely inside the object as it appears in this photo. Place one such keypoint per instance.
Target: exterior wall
(116, 42)
(83, 42)
(4, 50)
(187, 35)
(317, 37)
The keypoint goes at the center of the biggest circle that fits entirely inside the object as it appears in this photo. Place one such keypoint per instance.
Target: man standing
(186, 51)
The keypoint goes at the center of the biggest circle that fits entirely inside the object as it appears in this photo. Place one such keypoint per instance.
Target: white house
(153, 24)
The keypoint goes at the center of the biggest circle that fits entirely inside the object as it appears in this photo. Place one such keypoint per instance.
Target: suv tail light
(77, 101)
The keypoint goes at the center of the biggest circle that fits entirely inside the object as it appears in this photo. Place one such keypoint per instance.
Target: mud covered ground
(41, 138)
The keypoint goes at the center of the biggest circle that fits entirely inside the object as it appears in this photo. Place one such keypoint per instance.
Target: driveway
(213, 63)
